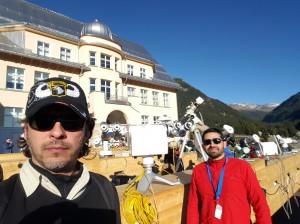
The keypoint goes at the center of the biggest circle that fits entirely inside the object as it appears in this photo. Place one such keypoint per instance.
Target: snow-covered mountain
(256, 107)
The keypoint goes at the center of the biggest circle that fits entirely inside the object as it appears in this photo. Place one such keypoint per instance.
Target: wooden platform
(171, 201)
(107, 166)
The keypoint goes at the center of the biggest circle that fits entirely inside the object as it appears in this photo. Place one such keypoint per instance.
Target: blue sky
(236, 51)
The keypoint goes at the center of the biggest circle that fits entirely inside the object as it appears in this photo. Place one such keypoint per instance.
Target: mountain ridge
(252, 106)
(217, 113)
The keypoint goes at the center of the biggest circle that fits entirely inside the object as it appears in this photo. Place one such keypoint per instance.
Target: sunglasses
(46, 124)
(215, 141)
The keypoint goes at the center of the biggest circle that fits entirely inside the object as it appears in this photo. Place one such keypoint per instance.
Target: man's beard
(56, 166)
(214, 155)
(53, 166)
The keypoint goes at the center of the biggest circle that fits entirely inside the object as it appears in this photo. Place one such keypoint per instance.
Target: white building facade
(123, 83)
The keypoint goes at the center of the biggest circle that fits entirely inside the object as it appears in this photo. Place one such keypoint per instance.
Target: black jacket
(98, 204)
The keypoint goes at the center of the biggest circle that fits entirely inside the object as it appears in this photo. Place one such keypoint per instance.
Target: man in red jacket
(222, 189)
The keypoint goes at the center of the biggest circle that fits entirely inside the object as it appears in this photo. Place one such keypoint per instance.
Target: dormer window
(143, 73)
(130, 70)
(65, 54)
(43, 49)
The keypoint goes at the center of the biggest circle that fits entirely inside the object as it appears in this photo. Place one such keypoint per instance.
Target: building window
(142, 73)
(166, 99)
(156, 120)
(130, 91)
(92, 58)
(92, 85)
(116, 64)
(65, 54)
(130, 70)
(12, 116)
(155, 98)
(38, 76)
(43, 49)
(105, 61)
(65, 77)
(144, 119)
(143, 96)
(14, 78)
(105, 87)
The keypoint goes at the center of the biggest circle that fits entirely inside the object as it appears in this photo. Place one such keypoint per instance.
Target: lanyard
(220, 183)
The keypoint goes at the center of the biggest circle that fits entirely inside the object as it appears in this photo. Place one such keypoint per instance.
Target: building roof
(8, 47)
(16, 12)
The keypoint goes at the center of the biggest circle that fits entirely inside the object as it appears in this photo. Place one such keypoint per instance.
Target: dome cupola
(96, 29)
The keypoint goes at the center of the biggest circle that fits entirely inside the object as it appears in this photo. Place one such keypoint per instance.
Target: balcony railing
(122, 100)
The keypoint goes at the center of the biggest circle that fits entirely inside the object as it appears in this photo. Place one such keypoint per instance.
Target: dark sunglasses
(215, 141)
(46, 124)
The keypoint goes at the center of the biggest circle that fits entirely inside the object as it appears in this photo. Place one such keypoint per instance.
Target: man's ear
(25, 129)
(87, 135)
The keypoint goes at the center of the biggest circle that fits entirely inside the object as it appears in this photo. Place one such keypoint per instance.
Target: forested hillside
(216, 114)
(289, 110)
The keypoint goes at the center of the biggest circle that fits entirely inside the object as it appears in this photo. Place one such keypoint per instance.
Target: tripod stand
(149, 176)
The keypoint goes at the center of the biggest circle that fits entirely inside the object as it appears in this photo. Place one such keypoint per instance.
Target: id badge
(218, 211)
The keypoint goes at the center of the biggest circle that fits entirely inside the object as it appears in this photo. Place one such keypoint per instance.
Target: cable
(295, 180)
(285, 185)
(281, 170)
(152, 191)
(272, 193)
(123, 170)
(136, 207)
(293, 194)
(284, 190)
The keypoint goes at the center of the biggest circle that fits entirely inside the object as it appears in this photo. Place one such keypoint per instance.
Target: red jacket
(240, 190)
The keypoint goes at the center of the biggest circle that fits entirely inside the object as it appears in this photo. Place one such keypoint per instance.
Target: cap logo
(54, 89)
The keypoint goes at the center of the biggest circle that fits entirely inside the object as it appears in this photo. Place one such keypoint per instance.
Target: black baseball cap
(57, 91)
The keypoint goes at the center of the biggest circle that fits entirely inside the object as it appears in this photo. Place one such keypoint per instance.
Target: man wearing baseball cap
(53, 186)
